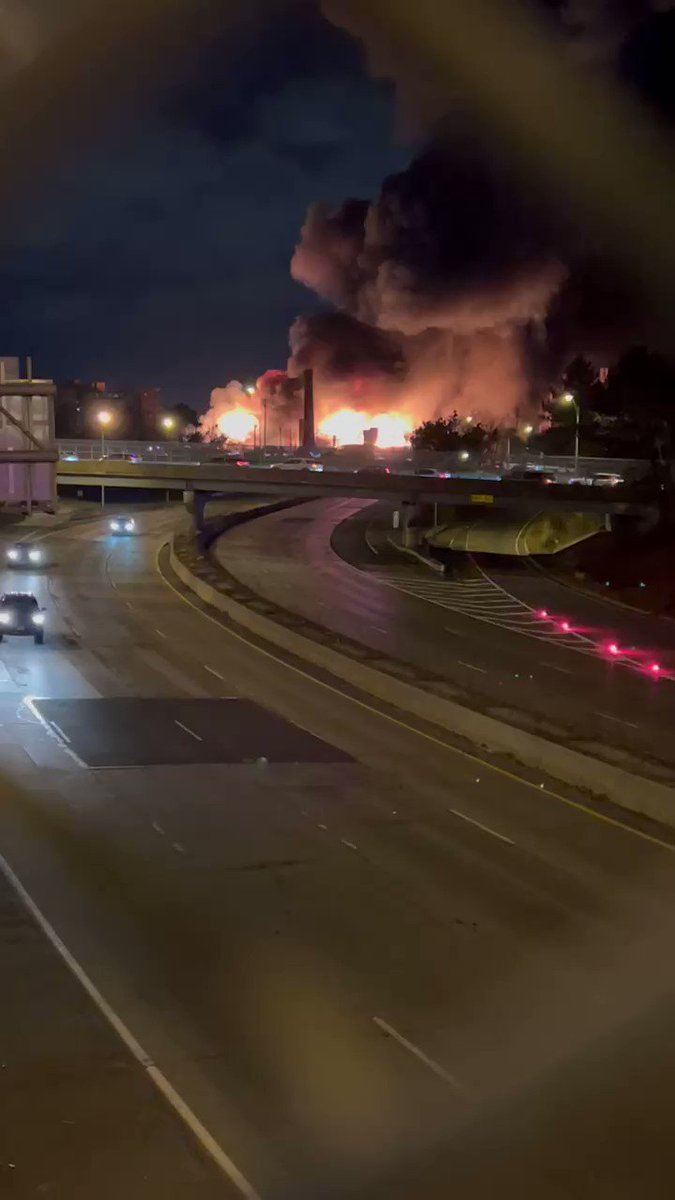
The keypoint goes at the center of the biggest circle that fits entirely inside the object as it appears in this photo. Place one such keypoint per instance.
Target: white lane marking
(51, 729)
(59, 731)
(177, 846)
(212, 671)
(190, 731)
(471, 667)
(454, 632)
(158, 828)
(486, 828)
(369, 544)
(178, 1104)
(379, 629)
(320, 826)
(618, 720)
(129, 604)
(159, 631)
(350, 844)
(423, 1058)
(556, 667)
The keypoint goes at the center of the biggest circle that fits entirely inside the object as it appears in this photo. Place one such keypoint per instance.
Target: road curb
(432, 563)
(633, 793)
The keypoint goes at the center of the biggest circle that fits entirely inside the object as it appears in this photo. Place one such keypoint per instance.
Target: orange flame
(237, 424)
(393, 429)
(346, 425)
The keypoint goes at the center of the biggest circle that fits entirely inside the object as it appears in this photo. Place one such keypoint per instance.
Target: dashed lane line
(419, 1054)
(180, 1106)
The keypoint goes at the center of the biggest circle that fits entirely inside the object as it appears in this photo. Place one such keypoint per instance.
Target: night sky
(161, 256)
(154, 248)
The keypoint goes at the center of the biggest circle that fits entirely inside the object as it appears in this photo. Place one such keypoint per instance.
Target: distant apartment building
(135, 414)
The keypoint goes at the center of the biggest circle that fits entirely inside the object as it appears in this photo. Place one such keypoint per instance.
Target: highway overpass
(211, 479)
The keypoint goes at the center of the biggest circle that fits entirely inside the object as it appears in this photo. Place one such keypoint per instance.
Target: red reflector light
(565, 626)
(542, 614)
(613, 648)
(654, 669)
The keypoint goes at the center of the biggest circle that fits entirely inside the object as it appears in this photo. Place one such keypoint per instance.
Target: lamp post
(104, 418)
(168, 423)
(568, 398)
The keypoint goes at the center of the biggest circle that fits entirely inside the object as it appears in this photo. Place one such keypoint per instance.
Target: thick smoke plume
(462, 285)
(440, 284)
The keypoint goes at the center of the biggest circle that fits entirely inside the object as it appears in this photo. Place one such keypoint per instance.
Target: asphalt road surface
(368, 965)
(479, 627)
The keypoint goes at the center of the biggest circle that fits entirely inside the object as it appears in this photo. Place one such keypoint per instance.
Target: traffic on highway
(339, 933)
(538, 472)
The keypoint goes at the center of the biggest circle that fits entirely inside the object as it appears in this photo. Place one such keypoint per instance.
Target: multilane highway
(359, 962)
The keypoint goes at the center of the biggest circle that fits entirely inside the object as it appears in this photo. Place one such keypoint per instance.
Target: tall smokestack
(308, 435)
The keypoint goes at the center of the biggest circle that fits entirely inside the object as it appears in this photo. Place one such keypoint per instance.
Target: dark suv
(21, 616)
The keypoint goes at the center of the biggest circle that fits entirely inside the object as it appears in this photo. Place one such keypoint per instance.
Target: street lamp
(168, 423)
(250, 389)
(568, 398)
(527, 430)
(104, 418)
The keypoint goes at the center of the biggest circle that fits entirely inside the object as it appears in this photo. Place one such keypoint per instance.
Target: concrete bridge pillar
(195, 503)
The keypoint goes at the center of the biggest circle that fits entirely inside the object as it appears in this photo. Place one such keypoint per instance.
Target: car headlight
(129, 526)
(114, 525)
(34, 555)
(38, 618)
(12, 555)
(5, 618)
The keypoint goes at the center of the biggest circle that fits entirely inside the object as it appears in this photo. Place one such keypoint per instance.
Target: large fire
(238, 424)
(346, 426)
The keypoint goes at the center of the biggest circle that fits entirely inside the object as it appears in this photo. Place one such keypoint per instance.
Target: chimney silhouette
(308, 435)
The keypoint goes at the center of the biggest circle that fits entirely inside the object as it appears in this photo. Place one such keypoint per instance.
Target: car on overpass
(607, 479)
(231, 460)
(24, 554)
(532, 475)
(121, 457)
(21, 616)
(297, 464)
(373, 470)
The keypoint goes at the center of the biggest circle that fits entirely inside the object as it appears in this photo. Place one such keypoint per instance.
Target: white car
(607, 479)
(297, 464)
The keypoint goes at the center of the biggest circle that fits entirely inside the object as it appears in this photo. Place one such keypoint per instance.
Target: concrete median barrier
(395, 683)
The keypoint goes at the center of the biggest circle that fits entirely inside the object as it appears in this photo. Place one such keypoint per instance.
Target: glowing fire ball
(237, 424)
(392, 429)
(347, 426)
